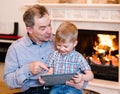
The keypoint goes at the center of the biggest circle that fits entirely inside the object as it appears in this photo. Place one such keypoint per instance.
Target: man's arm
(15, 74)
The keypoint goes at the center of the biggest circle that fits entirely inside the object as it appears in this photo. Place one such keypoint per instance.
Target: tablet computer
(56, 79)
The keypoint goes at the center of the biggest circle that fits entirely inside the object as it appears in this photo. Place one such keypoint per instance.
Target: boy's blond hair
(66, 32)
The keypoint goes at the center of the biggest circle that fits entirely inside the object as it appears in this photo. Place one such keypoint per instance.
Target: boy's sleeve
(50, 61)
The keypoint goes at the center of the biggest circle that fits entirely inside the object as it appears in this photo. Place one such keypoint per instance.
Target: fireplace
(100, 48)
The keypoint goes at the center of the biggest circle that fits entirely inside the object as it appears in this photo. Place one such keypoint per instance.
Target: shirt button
(42, 57)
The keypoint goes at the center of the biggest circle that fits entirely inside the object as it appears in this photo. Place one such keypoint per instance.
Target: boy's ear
(75, 43)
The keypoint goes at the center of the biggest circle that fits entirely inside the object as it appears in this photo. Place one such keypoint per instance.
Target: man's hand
(36, 67)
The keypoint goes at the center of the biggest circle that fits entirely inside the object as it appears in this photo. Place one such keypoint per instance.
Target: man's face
(42, 29)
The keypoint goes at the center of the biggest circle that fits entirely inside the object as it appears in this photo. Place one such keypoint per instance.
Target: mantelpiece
(90, 16)
(99, 14)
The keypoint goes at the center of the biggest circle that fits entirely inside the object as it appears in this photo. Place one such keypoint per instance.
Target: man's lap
(36, 90)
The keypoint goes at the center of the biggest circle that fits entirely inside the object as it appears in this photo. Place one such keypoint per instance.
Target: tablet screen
(56, 79)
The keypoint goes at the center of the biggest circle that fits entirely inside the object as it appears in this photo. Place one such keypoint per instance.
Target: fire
(105, 42)
(105, 45)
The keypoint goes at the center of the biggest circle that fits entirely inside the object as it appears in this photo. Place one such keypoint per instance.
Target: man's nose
(48, 29)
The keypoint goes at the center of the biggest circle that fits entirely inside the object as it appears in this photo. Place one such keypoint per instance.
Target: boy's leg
(64, 89)
(58, 89)
(72, 90)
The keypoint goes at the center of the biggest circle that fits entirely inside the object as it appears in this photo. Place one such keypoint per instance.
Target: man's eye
(49, 25)
(43, 28)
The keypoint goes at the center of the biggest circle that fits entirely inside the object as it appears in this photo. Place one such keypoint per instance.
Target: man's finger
(43, 66)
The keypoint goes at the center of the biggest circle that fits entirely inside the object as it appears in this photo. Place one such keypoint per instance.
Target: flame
(105, 43)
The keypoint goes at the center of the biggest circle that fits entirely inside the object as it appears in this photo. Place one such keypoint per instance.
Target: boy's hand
(77, 78)
(76, 81)
(75, 85)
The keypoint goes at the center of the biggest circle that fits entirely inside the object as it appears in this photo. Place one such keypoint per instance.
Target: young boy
(66, 60)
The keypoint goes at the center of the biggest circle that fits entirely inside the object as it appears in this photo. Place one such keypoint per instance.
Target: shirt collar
(28, 41)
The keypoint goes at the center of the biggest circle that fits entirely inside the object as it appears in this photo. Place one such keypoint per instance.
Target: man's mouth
(48, 36)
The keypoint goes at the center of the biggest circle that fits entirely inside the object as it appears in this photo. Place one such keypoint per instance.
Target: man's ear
(75, 43)
(29, 29)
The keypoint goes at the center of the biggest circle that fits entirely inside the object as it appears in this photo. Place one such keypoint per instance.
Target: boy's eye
(66, 46)
(58, 46)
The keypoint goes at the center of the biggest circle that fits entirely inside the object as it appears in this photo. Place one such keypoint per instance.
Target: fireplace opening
(101, 49)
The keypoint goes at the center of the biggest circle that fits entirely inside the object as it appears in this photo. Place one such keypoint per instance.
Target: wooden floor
(1, 70)
(3, 88)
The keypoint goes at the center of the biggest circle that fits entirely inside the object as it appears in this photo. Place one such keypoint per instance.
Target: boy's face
(65, 48)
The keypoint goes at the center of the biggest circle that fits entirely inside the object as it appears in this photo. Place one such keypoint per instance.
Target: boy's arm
(78, 81)
(88, 75)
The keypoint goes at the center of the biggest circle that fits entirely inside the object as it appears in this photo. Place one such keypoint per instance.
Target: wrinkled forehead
(43, 21)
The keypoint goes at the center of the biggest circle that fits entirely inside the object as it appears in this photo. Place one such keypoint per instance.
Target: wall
(11, 11)
(57, 1)
(80, 1)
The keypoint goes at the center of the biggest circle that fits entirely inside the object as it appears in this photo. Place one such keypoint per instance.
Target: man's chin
(47, 39)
